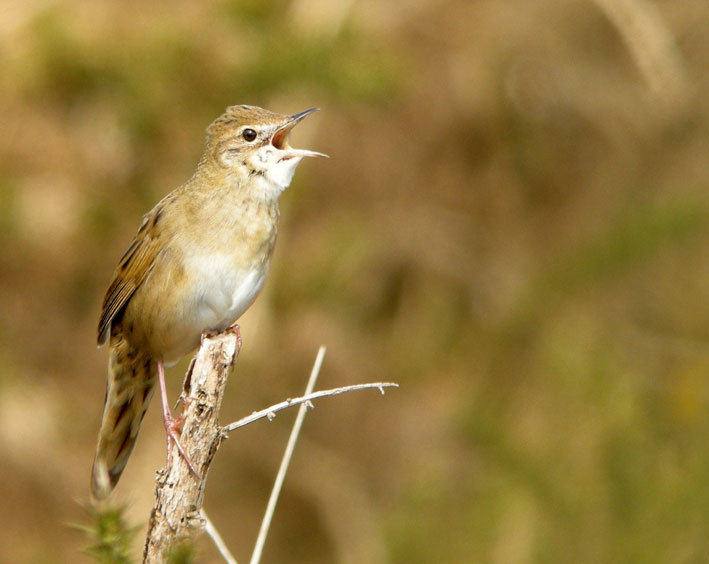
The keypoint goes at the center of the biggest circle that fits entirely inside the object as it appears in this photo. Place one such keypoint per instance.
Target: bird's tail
(131, 382)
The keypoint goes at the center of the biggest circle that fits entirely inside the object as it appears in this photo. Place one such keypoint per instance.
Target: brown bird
(196, 264)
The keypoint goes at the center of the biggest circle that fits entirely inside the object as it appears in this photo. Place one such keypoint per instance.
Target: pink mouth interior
(280, 138)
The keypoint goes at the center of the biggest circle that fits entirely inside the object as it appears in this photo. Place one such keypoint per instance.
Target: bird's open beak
(280, 138)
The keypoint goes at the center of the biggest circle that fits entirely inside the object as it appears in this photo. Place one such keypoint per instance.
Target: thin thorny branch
(179, 494)
(211, 530)
(287, 455)
(270, 412)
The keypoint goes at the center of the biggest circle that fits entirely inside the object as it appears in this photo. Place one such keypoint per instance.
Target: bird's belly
(222, 291)
(219, 292)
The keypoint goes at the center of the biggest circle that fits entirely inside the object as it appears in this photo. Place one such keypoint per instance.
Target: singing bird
(197, 262)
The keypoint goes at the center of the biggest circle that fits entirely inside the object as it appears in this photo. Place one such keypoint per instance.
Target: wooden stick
(179, 494)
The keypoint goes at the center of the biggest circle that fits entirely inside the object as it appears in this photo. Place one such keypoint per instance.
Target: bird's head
(252, 144)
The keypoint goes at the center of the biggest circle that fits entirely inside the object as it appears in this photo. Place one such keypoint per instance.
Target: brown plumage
(197, 262)
(131, 383)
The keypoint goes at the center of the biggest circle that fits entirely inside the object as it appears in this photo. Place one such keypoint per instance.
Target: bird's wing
(133, 269)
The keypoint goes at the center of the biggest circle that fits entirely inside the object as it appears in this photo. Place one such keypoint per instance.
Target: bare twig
(280, 477)
(652, 47)
(211, 530)
(178, 514)
(270, 412)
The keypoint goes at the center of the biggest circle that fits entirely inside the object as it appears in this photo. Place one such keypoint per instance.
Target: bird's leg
(172, 425)
(237, 331)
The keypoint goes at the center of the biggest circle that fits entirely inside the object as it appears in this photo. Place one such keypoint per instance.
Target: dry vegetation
(513, 226)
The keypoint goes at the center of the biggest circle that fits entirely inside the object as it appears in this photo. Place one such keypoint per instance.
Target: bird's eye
(249, 134)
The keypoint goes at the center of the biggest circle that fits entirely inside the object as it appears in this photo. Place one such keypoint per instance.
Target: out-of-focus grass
(513, 225)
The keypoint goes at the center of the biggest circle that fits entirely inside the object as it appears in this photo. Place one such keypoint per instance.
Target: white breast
(223, 293)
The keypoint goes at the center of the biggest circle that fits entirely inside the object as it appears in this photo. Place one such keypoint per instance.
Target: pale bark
(179, 494)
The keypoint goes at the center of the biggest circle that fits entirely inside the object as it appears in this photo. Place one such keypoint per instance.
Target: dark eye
(249, 134)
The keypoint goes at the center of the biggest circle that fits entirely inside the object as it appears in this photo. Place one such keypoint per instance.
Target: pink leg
(236, 330)
(172, 425)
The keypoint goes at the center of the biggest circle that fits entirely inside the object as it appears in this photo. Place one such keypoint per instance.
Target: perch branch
(177, 515)
(179, 495)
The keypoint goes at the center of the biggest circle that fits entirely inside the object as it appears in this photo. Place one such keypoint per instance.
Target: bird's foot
(237, 332)
(173, 430)
(172, 426)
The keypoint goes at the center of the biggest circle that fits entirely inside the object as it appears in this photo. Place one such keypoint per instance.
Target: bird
(196, 264)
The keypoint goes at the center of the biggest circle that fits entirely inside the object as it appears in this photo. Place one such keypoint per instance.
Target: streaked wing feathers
(133, 269)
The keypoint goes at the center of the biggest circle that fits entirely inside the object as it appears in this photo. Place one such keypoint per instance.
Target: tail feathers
(131, 383)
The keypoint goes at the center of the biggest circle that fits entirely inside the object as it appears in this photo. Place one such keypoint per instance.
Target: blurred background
(513, 225)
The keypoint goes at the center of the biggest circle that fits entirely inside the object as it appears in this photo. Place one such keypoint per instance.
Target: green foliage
(109, 535)
(181, 553)
(280, 56)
